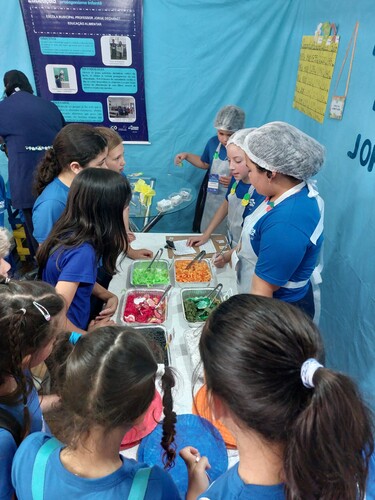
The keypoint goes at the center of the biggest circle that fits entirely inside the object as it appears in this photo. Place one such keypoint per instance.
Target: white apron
(214, 200)
(246, 256)
(235, 213)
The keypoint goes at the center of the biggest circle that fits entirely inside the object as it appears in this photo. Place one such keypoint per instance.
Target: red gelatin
(142, 308)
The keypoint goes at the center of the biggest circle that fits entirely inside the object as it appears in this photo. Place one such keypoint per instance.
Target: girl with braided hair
(30, 313)
(106, 380)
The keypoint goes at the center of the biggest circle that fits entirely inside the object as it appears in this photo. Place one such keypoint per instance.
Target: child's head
(4, 251)
(252, 350)
(94, 213)
(228, 120)
(75, 147)
(115, 158)
(107, 379)
(237, 156)
(29, 317)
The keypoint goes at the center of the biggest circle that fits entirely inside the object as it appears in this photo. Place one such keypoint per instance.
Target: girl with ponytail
(29, 317)
(106, 380)
(75, 147)
(303, 431)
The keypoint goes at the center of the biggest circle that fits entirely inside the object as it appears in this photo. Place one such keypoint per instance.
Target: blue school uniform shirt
(48, 207)
(8, 446)
(230, 486)
(210, 149)
(60, 483)
(281, 240)
(79, 265)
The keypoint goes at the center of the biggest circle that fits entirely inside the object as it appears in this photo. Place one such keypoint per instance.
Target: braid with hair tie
(16, 369)
(170, 419)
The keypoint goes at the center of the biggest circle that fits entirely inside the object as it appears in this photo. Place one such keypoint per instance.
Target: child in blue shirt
(29, 316)
(106, 380)
(214, 159)
(302, 430)
(76, 146)
(91, 228)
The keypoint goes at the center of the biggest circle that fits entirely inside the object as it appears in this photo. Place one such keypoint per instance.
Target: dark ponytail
(75, 142)
(331, 441)
(252, 350)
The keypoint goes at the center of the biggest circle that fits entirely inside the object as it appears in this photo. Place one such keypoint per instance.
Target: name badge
(213, 183)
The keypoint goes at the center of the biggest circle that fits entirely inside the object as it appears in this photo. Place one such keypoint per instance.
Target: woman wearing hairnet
(281, 239)
(214, 159)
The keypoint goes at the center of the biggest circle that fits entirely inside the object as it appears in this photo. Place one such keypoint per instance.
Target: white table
(176, 324)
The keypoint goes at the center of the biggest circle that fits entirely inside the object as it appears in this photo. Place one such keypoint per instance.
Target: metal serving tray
(145, 263)
(142, 292)
(190, 284)
(157, 337)
(187, 293)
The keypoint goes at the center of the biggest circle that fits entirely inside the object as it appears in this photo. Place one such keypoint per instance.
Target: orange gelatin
(199, 272)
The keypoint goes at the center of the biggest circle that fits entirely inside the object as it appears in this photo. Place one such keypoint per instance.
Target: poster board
(315, 70)
(87, 58)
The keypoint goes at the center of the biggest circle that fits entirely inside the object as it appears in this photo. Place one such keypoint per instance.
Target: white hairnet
(280, 147)
(230, 118)
(238, 137)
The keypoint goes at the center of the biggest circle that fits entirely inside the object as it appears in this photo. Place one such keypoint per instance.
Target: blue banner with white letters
(87, 57)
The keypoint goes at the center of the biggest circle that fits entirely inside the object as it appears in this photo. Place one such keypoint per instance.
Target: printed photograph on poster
(61, 79)
(116, 50)
(121, 108)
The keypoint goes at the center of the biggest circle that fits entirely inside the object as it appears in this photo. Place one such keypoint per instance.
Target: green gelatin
(158, 274)
(194, 311)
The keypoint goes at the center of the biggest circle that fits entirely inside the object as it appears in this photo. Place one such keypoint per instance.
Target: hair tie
(23, 310)
(74, 337)
(160, 371)
(42, 310)
(308, 370)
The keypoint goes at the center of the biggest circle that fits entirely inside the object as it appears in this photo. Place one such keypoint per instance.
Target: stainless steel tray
(144, 263)
(190, 284)
(157, 337)
(187, 293)
(142, 292)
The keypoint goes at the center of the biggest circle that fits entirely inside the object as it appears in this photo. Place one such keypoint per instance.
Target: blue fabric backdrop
(203, 54)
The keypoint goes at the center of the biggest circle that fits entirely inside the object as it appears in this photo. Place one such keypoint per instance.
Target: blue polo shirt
(77, 265)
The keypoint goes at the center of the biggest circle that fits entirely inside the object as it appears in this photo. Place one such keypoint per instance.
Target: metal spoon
(156, 256)
(197, 258)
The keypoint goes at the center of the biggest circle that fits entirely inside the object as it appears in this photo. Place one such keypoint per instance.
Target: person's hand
(225, 180)
(221, 260)
(196, 241)
(142, 253)
(179, 158)
(97, 323)
(110, 308)
(131, 236)
(196, 466)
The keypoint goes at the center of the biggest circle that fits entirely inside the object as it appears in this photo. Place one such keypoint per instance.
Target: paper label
(337, 107)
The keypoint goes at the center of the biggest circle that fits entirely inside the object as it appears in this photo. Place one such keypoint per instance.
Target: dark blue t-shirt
(77, 265)
(210, 149)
